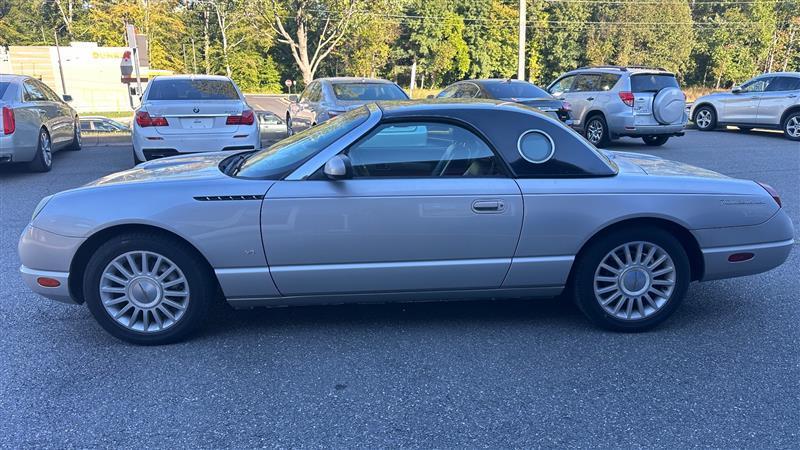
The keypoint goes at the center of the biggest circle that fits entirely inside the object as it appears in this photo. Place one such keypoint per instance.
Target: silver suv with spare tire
(609, 102)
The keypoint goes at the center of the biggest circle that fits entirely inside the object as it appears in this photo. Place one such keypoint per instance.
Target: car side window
(467, 90)
(315, 94)
(448, 92)
(587, 83)
(85, 126)
(33, 93)
(51, 96)
(779, 84)
(423, 149)
(563, 85)
(607, 81)
(759, 85)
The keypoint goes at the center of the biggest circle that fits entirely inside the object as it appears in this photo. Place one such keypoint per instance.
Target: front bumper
(49, 255)
(60, 293)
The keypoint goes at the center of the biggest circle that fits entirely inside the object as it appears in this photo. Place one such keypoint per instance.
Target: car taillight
(626, 97)
(566, 106)
(9, 123)
(772, 192)
(143, 119)
(247, 118)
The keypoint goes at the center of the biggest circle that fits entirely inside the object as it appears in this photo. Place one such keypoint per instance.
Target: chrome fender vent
(225, 198)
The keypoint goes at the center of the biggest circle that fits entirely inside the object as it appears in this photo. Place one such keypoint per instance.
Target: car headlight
(40, 206)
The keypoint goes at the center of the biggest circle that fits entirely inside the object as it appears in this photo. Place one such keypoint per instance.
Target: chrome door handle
(488, 206)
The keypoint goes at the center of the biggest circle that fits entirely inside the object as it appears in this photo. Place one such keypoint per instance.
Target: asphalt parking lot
(724, 371)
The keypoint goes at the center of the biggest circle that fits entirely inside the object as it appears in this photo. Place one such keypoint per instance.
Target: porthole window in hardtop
(536, 147)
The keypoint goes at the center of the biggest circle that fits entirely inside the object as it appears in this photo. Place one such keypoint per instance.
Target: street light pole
(521, 49)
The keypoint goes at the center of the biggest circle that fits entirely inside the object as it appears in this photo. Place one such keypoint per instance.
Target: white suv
(190, 114)
(771, 100)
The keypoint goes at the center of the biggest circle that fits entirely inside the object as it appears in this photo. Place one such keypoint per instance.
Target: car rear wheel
(655, 141)
(289, 128)
(147, 289)
(705, 119)
(632, 279)
(136, 160)
(597, 131)
(75, 145)
(43, 160)
(791, 126)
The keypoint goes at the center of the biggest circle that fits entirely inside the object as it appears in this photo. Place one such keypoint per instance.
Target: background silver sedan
(401, 202)
(35, 123)
(770, 100)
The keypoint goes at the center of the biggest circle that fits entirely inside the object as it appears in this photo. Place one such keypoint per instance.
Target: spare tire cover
(669, 105)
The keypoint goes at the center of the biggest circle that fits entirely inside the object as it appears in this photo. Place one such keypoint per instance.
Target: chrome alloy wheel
(47, 149)
(793, 127)
(703, 118)
(594, 131)
(634, 281)
(144, 291)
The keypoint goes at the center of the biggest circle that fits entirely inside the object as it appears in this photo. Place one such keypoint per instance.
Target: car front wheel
(791, 126)
(147, 289)
(76, 143)
(632, 279)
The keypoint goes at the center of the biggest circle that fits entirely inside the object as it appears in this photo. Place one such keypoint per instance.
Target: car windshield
(368, 91)
(652, 82)
(187, 89)
(279, 160)
(515, 89)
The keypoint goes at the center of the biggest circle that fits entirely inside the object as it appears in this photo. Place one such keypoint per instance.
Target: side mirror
(339, 168)
(736, 90)
(67, 98)
(293, 98)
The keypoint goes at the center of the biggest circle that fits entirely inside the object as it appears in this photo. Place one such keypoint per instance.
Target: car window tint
(467, 90)
(422, 149)
(282, 158)
(784, 84)
(85, 126)
(449, 91)
(314, 92)
(368, 91)
(759, 85)
(51, 96)
(33, 93)
(651, 82)
(3, 87)
(515, 89)
(187, 89)
(607, 81)
(586, 83)
(563, 85)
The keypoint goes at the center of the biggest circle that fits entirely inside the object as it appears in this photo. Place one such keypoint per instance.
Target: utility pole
(60, 66)
(521, 51)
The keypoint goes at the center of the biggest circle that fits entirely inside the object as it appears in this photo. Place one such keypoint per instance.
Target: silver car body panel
(319, 241)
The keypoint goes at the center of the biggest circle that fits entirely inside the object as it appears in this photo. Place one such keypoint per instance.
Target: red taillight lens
(772, 192)
(626, 97)
(247, 118)
(143, 119)
(9, 123)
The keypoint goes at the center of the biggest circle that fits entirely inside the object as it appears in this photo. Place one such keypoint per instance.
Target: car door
(429, 207)
(581, 95)
(742, 106)
(62, 116)
(35, 108)
(780, 94)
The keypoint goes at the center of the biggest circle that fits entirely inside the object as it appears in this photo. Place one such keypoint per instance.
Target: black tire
(198, 276)
(136, 160)
(790, 126)
(289, 128)
(76, 143)
(598, 138)
(655, 141)
(588, 265)
(704, 125)
(43, 160)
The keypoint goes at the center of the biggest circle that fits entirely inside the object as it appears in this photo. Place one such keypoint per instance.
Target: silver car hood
(653, 165)
(195, 166)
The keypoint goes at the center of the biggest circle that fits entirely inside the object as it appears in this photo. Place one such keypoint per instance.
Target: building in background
(91, 73)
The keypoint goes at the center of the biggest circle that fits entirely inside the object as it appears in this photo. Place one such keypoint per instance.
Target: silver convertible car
(400, 202)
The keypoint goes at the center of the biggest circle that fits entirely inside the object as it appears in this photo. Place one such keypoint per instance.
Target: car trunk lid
(195, 118)
(653, 165)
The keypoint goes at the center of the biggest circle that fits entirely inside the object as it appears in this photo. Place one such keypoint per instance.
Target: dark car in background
(517, 91)
(100, 124)
(325, 98)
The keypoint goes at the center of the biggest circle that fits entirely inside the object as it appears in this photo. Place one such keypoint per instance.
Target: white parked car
(770, 100)
(191, 114)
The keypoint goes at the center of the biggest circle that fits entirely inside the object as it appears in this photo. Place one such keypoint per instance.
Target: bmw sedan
(35, 123)
(192, 114)
(400, 202)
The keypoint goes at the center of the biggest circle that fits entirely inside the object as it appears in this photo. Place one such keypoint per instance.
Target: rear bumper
(149, 145)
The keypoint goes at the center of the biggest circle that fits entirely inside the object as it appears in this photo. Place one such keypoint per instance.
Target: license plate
(194, 123)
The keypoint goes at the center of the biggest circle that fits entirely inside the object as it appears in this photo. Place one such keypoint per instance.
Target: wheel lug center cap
(635, 281)
(144, 292)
